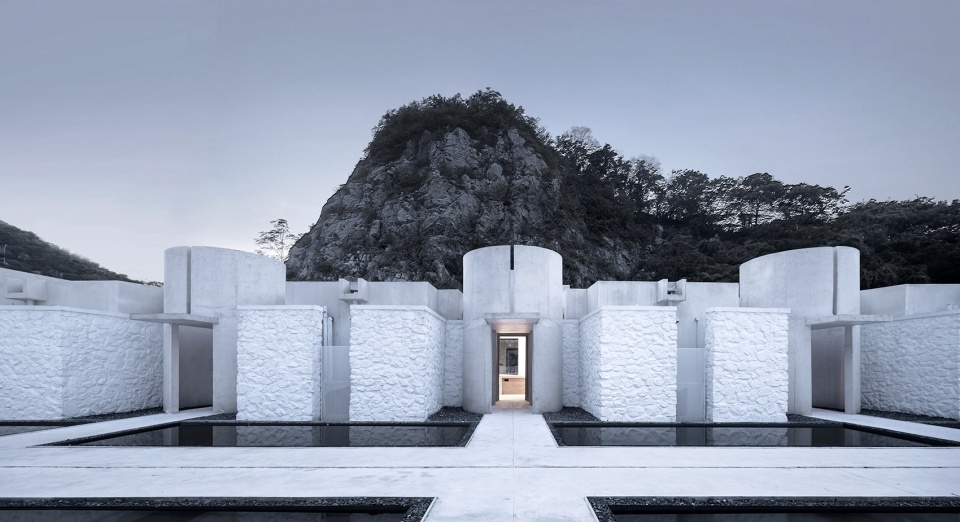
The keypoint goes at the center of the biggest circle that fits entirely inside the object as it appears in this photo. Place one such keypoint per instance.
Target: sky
(128, 127)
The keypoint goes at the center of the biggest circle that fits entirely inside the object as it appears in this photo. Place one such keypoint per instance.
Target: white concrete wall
(910, 299)
(62, 362)
(449, 304)
(571, 363)
(453, 364)
(396, 363)
(628, 364)
(621, 293)
(912, 365)
(746, 365)
(575, 305)
(105, 296)
(279, 352)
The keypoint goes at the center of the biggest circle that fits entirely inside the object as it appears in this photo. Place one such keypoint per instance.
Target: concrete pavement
(512, 469)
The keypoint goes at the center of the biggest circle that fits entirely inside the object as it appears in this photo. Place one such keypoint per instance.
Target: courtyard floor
(512, 469)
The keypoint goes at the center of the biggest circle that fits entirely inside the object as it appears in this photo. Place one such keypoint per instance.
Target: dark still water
(744, 435)
(299, 436)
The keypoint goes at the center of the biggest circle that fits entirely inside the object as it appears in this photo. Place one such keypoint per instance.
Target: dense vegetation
(703, 228)
(482, 115)
(609, 216)
(25, 252)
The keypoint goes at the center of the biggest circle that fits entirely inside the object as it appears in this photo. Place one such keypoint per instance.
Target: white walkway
(511, 470)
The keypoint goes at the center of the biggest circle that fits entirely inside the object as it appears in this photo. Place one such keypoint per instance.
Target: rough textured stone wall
(747, 377)
(110, 363)
(279, 351)
(60, 362)
(571, 363)
(31, 373)
(912, 365)
(396, 363)
(453, 365)
(589, 385)
(628, 361)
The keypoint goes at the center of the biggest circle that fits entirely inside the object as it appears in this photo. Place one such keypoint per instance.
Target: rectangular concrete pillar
(547, 371)
(171, 368)
(477, 367)
(801, 371)
(225, 364)
(851, 369)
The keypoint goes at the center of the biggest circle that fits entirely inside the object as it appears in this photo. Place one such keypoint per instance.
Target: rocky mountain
(24, 251)
(443, 177)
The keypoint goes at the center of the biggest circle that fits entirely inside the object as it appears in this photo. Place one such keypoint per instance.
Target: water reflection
(232, 435)
(803, 436)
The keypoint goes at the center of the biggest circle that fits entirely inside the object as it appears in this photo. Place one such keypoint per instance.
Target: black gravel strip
(414, 508)
(117, 416)
(566, 415)
(606, 507)
(803, 419)
(570, 415)
(448, 414)
(217, 417)
(912, 417)
(50, 423)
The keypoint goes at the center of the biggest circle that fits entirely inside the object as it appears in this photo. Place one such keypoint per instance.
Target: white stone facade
(746, 365)
(396, 363)
(628, 363)
(279, 350)
(571, 363)
(912, 365)
(61, 362)
(453, 365)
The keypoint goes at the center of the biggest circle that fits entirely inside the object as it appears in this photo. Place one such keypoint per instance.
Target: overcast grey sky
(130, 127)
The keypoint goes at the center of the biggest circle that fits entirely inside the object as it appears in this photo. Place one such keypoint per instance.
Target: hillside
(23, 251)
(444, 176)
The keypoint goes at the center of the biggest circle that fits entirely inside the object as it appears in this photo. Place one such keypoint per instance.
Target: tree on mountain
(648, 188)
(755, 198)
(276, 242)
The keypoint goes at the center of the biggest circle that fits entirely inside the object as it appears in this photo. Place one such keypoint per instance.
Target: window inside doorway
(509, 355)
(513, 364)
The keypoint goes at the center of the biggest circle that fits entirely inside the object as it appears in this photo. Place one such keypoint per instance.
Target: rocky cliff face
(413, 217)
